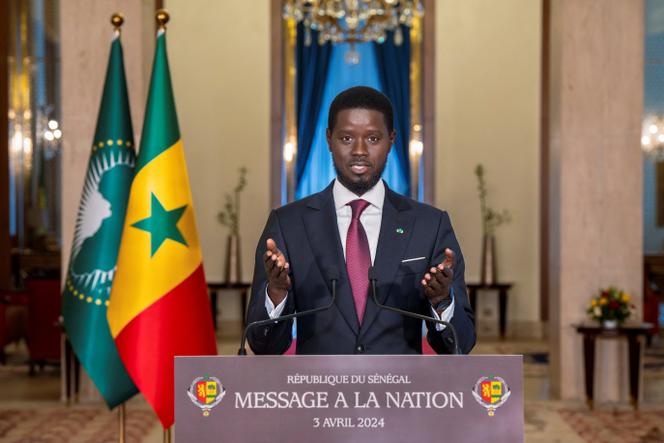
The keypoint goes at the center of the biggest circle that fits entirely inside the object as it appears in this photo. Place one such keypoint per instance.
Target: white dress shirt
(371, 219)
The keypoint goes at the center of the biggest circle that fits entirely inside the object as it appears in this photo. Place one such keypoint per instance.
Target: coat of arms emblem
(206, 393)
(491, 392)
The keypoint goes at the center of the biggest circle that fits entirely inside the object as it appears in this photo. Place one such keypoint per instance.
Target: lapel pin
(399, 230)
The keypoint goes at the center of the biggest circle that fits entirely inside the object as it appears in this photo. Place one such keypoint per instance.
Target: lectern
(349, 398)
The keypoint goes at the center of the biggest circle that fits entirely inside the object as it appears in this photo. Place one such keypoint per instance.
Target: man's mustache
(360, 163)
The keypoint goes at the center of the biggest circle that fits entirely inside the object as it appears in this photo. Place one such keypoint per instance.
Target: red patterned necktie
(358, 258)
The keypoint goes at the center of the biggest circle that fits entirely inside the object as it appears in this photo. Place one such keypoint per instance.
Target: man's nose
(360, 148)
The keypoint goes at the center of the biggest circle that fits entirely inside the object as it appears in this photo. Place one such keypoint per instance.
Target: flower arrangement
(611, 304)
(230, 215)
(491, 218)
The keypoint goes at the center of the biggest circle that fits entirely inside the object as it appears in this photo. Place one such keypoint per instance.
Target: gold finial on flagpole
(162, 18)
(117, 19)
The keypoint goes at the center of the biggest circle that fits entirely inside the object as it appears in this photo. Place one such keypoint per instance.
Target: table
(631, 331)
(503, 289)
(215, 287)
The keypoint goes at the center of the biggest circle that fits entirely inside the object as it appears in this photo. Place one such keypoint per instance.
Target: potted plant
(229, 216)
(491, 219)
(611, 307)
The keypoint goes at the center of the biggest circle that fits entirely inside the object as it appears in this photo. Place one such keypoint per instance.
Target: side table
(632, 332)
(215, 287)
(503, 289)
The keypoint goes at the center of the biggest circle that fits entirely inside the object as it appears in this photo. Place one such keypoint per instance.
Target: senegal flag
(159, 305)
(97, 234)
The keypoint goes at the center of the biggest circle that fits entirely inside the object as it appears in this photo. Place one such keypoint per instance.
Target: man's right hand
(276, 269)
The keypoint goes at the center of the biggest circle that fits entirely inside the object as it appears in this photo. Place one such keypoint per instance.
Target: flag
(159, 304)
(97, 235)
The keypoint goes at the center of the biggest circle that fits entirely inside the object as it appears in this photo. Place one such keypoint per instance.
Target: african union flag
(159, 305)
(97, 235)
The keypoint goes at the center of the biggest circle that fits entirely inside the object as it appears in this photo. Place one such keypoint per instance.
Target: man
(355, 223)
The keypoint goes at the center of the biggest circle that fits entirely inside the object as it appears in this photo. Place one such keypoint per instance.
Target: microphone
(332, 275)
(373, 279)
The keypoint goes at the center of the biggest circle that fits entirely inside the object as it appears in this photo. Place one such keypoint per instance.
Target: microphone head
(332, 273)
(372, 274)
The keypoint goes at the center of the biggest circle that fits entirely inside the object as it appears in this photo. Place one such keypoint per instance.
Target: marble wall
(488, 57)
(596, 93)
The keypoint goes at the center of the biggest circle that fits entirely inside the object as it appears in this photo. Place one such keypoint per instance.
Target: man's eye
(374, 139)
(346, 138)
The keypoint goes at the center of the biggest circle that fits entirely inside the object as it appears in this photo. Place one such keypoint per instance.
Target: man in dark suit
(355, 223)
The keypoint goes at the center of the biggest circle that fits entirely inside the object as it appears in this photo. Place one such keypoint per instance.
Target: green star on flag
(162, 224)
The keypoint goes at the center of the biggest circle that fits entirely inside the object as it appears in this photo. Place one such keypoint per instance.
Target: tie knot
(358, 206)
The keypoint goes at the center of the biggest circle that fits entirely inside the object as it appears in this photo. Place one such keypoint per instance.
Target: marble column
(596, 104)
(85, 37)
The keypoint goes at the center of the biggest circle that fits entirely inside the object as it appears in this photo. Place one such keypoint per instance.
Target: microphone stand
(334, 278)
(373, 280)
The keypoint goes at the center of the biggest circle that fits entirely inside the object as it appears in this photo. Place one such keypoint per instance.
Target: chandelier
(353, 21)
(652, 136)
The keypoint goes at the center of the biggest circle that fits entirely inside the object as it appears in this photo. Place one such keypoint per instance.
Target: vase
(233, 271)
(488, 273)
(610, 324)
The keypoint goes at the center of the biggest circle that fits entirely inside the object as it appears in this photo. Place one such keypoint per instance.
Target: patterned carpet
(616, 427)
(546, 422)
(74, 424)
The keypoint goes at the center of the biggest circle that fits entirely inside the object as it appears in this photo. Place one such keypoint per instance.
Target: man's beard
(359, 187)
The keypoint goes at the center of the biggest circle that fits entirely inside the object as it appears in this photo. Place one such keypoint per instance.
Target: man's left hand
(438, 281)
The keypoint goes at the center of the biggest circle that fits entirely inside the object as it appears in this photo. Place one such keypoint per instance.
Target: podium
(349, 398)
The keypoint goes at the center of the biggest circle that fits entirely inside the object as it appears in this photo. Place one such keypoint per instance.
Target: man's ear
(328, 137)
(393, 136)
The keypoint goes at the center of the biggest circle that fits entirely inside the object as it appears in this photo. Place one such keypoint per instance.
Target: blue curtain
(319, 169)
(312, 66)
(393, 63)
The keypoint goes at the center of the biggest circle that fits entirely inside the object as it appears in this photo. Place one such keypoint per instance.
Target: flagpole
(121, 420)
(167, 435)
(117, 19)
(162, 17)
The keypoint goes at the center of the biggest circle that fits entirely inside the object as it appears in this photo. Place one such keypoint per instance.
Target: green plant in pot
(491, 219)
(229, 216)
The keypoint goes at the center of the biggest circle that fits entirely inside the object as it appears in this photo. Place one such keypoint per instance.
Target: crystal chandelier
(353, 21)
(652, 136)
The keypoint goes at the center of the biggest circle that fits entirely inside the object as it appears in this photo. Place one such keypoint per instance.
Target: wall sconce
(53, 132)
(416, 148)
(652, 136)
(415, 151)
(290, 154)
(289, 151)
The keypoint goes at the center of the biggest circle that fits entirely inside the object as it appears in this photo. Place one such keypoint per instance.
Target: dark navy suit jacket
(306, 232)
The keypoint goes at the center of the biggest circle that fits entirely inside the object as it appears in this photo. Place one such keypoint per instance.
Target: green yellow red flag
(159, 306)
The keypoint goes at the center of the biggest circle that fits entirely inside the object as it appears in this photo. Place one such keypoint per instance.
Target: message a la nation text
(361, 400)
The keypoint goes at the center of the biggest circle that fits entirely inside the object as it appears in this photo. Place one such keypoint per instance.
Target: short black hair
(361, 97)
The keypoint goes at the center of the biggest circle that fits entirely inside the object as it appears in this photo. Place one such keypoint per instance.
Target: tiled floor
(545, 423)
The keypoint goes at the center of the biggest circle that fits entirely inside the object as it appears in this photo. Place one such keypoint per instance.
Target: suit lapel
(320, 221)
(395, 233)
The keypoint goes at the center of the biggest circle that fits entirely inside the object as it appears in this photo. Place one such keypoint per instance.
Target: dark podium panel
(349, 398)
